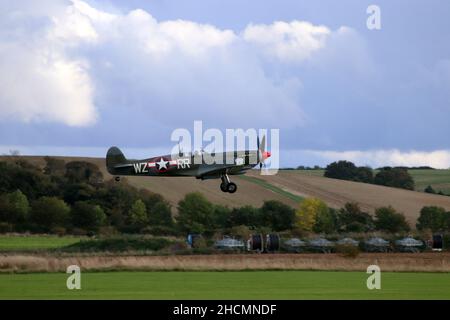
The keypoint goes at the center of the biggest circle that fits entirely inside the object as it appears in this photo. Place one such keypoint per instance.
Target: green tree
(54, 167)
(83, 171)
(352, 219)
(78, 192)
(160, 215)
(342, 169)
(394, 177)
(277, 216)
(14, 207)
(388, 219)
(447, 220)
(246, 215)
(220, 217)
(346, 170)
(195, 213)
(27, 178)
(241, 232)
(429, 189)
(326, 221)
(363, 174)
(431, 217)
(49, 212)
(138, 214)
(87, 216)
(308, 211)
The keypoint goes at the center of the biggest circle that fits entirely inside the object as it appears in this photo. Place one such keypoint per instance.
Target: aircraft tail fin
(114, 157)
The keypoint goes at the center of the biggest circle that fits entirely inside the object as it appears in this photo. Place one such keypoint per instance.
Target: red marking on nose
(266, 154)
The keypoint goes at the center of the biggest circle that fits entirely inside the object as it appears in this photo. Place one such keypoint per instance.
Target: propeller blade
(262, 146)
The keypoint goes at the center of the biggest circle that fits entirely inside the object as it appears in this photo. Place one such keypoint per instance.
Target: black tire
(231, 187)
(117, 179)
(224, 187)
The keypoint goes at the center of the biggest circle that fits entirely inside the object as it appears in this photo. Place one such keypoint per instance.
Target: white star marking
(162, 164)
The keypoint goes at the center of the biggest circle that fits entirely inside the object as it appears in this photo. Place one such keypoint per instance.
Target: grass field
(19, 243)
(438, 179)
(226, 285)
(271, 187)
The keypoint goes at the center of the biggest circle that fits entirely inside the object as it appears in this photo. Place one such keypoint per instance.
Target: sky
(79, 76)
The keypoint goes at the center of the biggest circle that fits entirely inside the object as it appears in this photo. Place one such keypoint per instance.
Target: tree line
(73, 198)
(397, 177)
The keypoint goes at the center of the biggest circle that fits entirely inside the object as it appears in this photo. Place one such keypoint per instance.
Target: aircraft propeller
(262, 153)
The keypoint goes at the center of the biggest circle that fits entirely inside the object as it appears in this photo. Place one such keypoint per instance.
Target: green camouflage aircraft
(200, 165)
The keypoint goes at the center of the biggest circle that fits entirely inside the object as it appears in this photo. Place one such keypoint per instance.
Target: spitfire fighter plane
(191, 165)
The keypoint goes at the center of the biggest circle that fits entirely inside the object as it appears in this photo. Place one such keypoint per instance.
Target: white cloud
(68, 64)
(439, 159)
(38, 79)
(289, 42)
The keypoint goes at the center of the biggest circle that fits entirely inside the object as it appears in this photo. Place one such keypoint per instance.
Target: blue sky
(79, 76)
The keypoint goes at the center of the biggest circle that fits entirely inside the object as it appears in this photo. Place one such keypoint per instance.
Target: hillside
(288, 186)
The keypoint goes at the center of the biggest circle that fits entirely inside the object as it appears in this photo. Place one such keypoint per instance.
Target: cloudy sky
(79, 76)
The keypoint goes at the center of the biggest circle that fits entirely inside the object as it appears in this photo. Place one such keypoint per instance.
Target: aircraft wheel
(224, 187)
(117, 179)
(232, 187)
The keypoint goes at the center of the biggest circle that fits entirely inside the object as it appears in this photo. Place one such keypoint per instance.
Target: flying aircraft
(190, 165)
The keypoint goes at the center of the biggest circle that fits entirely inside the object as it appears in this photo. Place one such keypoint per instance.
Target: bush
(244, 216)
(107, 231)
(387, 219)
(6, 227)
(241, 232)
(352, 219)
(347, 251)
(346, 170)
(87, 216)
(49, 212)
(433, 218)
(429, 189)
(138, 214)
(14, 207)
(394, 177)
(326, 221)
(118, 245)
(277, 216)
(308, 212)
(159, 231)
(195, 214)
(60, 231)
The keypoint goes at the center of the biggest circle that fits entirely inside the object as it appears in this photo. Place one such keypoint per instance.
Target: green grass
(271, 187)
(19, 243)
(438, 179)
(226, 285)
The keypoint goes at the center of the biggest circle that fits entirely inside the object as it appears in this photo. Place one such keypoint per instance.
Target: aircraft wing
(213, 171)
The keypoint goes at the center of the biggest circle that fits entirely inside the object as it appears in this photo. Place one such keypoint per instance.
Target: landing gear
(227, 185)
(223, 187)
(232, 187)
(117, 179)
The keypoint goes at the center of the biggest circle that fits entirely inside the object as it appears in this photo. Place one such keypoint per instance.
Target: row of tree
(314, 215)
(397, 177)
(72, 197)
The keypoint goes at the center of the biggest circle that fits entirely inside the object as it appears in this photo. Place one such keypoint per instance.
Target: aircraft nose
(266, 155)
